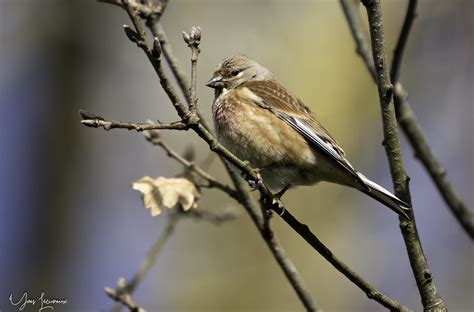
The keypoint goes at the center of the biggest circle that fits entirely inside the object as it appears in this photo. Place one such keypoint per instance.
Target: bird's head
(236, 70)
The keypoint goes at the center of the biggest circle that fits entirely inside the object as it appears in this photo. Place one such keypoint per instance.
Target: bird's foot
(255, 181)
(255, 184)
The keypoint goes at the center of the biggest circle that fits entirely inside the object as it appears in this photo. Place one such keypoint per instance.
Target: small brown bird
(260, 121)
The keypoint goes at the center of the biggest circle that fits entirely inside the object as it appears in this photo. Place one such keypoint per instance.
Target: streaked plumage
(259, 120)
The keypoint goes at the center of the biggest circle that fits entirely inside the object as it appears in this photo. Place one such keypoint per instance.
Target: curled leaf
(163, 193)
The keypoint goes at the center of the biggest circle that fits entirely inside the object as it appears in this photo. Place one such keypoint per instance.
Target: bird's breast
(255, 134)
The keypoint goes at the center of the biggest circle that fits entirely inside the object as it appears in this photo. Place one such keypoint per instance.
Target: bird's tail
(384, 196)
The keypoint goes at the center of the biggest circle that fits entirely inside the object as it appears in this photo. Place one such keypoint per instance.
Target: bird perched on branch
(260, 121)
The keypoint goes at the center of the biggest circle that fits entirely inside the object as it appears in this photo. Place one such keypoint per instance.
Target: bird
(261, 122)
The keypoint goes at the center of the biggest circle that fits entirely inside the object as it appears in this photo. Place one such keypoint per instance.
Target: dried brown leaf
(163, 193)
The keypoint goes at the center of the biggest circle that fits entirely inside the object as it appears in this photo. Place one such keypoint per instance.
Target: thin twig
(193, 39)
(351, 11)
(415, 135)
(114, 124)
(153, 254)
(402, 40)
(285, 263)
(177, 70)
(303, 230)
(154, 137)
(412, 129)
(144, 10)
(410, 125)
(126, 289)
(369, 290)
(429, 296)
(214, 218)
(123, 297)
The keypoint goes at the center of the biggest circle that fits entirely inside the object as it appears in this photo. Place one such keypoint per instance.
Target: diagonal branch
(415, 135)
(412, 129)
(145, 10)
(154, 137)
(407, 118)
(402, 41)
(176, 68)
(285, 263)
(155, 250)
(356, 25)
(123, 297)
(429, 296)
(369, 290)
(124, 290)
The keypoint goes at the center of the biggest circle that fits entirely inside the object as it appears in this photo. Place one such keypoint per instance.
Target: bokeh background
(70, 224)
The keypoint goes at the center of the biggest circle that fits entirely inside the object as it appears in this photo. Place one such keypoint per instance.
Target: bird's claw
(254, 183)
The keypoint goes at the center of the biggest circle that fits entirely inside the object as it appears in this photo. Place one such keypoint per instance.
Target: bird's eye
(235, 72)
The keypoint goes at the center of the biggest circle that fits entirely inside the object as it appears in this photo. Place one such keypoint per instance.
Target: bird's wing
(273, 97)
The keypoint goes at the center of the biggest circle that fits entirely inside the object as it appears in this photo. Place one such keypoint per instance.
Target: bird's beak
(215, 82)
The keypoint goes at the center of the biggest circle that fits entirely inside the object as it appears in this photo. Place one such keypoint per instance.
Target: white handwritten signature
(43, 302)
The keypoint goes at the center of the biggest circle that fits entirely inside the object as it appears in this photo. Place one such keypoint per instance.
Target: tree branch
(193, 39)
(369, 290)
(402, 40)
(416, 137)
(122, 294)
(429, 296)
(144, 10)
(122, 297)
(177, 70)
(275, 247)
(155, 250)
(409, 123)
(154, 137)
(214, 218)
(356, 25)
(412, 129)
(114, 124)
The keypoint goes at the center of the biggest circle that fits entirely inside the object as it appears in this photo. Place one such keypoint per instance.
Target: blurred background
(71, 225)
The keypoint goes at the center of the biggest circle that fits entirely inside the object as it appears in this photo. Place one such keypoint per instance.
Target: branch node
(428, 277)
(214, 145)
(373, 294)
(191, 118)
